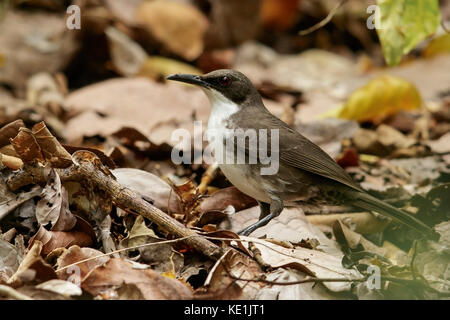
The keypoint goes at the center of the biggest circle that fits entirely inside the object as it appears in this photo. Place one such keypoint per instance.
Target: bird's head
(219, 84)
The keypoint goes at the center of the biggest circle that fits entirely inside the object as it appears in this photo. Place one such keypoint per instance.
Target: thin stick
(324, 21)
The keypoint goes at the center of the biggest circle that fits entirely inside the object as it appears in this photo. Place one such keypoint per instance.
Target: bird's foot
(247, 231)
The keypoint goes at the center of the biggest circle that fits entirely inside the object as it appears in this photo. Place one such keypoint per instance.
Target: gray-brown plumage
(305, 170)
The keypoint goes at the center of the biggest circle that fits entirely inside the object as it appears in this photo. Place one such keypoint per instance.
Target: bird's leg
(265, 209)
(276, 206)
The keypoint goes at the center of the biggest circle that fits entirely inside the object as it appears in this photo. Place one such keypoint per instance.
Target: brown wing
(297, 151)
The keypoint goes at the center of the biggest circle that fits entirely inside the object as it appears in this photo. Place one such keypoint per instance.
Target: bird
(304, 170)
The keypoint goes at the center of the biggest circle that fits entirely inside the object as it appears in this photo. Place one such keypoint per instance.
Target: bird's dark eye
(225, 81)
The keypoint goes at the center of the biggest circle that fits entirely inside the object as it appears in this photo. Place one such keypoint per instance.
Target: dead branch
(87, 166)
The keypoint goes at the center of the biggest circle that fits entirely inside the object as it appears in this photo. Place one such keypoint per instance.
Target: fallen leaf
(150, 187)
(127, 56)
(33, 267)
(65, 288)
(279, 14)
(80, 270)
(212, 208)
(51, 149)
(124, 10)
(361, 222)
(153, 286)
(219, 284)
(42, 40)
(349, 158)
(291, 225)
(439, 45)
(26, 146)
(152, 108)
(9, 131)
(303, 291)
(53, 208)
(179, 26)
(403, 24)
(441, 145)
(161, 257)
(62, 239)
(312, 262)
(233, 22)
(10, 201)
(43, 89)
(10, 259)
(379, 98)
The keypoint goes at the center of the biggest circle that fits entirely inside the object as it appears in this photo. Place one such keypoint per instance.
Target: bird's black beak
(188, 78)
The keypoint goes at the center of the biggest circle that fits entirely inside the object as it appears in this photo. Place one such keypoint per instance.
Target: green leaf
(403, 24)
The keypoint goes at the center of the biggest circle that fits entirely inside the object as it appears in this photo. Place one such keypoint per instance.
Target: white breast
(221, 110)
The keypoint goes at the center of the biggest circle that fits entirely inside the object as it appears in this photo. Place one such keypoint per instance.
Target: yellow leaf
(169, 274)
(379, 98)
(155, 67)
(437, 46)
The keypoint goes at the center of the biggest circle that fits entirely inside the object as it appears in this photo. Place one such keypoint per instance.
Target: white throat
(221, 109)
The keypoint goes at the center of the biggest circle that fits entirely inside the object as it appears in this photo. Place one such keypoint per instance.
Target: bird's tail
(367, 202)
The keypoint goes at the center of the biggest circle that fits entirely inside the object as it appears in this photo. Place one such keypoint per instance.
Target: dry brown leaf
(153, 286)
(9, 131)
(152, 108)
(81, 270)
(180, 27)
(219, 284)
(233, 22)
(33, 267)
(213, 208)
(26, 146)
(53, 208)
(62, 239)
(130, 59)
(223, 198)
(279, 14)
(150, 187)
(51, 149)
(42, 40)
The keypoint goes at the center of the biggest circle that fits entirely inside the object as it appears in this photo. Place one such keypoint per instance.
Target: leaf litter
(88, 186)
